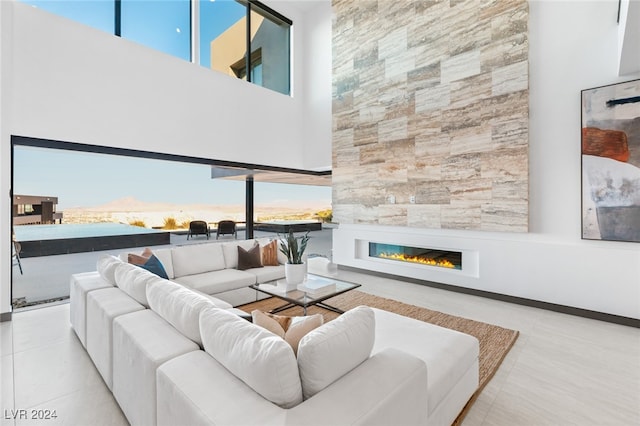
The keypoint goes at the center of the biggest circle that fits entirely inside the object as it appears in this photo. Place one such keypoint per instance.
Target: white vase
(295, 273)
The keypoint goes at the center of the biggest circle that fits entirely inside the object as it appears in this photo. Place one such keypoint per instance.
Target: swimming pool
(48, 240)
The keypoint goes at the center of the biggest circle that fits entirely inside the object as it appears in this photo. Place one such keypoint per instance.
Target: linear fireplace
(420, 255)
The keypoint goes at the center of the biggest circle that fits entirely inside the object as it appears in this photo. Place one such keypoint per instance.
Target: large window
(270, 37)
(96, 14)
(243, 39)
(162, 25)
(223, 31)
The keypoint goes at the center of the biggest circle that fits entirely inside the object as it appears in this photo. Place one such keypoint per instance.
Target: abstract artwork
(611, 162)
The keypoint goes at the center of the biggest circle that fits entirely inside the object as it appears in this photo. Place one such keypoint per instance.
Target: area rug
(495, 342)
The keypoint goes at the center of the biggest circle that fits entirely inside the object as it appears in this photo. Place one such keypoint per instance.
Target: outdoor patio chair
(227, 227)
(198, 227)
(15, 255)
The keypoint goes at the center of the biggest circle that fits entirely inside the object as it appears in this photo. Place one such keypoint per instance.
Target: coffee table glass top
(305, 299)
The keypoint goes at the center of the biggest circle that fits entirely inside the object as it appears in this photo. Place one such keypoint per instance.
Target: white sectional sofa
(212, 268)
(172, 355)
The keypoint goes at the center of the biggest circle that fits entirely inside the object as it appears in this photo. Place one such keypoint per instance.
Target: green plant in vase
(293, 248)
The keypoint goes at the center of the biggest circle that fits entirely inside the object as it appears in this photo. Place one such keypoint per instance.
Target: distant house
(35, 209)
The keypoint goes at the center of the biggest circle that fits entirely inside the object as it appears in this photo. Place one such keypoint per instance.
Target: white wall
(318, 69)
(5, 157)
(61, 80)
(573, 46)
(77, 84)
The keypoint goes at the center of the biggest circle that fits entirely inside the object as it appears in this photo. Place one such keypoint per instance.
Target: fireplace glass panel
(420, 255)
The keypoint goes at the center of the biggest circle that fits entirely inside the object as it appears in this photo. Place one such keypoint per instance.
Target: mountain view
(153, 214)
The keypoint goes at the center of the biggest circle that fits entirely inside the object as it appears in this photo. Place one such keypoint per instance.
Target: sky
(82, 179)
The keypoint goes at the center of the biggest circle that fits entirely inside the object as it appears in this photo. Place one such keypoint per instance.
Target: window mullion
(195, 31)
(117, 18)
(247, 58)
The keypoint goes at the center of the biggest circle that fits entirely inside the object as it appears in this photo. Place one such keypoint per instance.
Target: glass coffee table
(306, 299)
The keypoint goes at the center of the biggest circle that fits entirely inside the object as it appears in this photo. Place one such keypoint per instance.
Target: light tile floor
(563, 370)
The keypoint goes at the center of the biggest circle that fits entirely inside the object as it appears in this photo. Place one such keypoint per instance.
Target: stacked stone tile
(430, 99)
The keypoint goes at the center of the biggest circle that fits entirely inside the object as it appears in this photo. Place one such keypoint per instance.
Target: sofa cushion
(267, 273)
(106, 266)
(142, 341)
(218, 281)
(218, 303)
(248, 259)
(256, 356)
(291, 329)
(103, 306)
(81, 284)
(447, 353)
(334, 349)
(179, 306)
(133, 280)
(197, 259)
(230, 250)
(269, 253)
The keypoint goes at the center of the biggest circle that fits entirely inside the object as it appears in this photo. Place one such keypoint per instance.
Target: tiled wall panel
(430, 101)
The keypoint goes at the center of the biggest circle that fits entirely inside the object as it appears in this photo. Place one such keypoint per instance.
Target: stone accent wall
(430, 110)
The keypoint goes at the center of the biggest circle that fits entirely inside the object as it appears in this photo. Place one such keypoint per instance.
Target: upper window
(223, 31)
(270, 37)
(241, 38)
(229, 29)
(96, 14)
(163, 25)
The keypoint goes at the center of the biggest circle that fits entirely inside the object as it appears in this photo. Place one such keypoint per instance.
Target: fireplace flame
(418, 259)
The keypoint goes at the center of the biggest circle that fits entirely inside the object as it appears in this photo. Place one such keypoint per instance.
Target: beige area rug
(495, 342)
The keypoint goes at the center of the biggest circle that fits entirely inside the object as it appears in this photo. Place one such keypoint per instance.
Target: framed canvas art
(611, 162)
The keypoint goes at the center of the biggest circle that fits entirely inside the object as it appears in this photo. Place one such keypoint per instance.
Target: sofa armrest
(388, 388)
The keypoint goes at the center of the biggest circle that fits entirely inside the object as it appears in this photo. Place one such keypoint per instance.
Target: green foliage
(139, 223)
(293, 249)
(170, 223)
(325, 215)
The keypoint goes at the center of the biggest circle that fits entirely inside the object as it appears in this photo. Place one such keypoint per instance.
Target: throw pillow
(290, 329)
(270, 254)
(154, 265)
(248, 259)
(301, 328)
(252, 354)
(331, 351)
(267, 322)
(147, 260)
(139, 259)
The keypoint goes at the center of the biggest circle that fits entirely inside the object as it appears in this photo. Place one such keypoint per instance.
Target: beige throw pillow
(270, 254)
(284, 326)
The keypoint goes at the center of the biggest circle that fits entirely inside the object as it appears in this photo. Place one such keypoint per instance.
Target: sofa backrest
(134, 280)
(230, 250)
(179, 306)
(262, 360)
(164, 256)
(335, 348)
(106, 267)
(197, 259)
